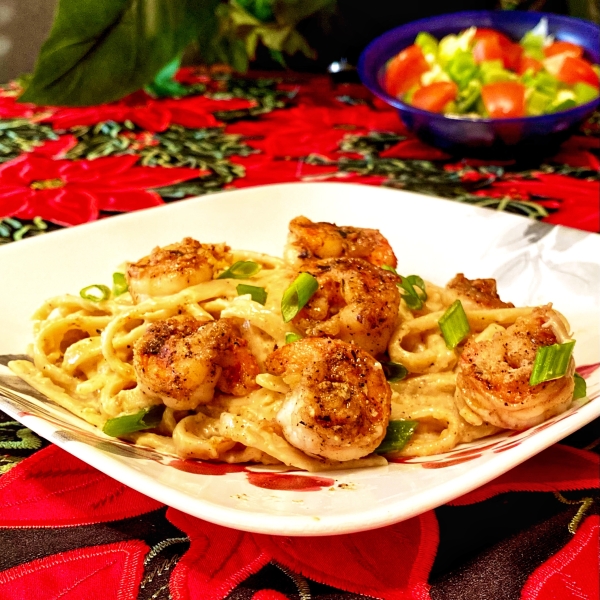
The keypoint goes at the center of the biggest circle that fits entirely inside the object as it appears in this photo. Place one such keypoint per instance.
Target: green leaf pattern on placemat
(21, 135)
(177, 146)
(13, 230)
(211, 150)
(16, 443)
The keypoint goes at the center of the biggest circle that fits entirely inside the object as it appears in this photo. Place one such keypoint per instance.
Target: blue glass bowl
(483, 137)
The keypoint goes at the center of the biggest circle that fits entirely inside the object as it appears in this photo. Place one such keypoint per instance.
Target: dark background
(345, 33)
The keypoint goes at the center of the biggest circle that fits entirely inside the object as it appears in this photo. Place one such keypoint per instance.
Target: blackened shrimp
(477, 293)
(339, 402)
(355, 302)
(308, 240)
(492, 382)
(182, 360)
(172, 268)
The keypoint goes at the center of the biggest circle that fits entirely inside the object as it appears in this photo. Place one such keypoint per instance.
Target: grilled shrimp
(308, 240)
(182, 360)
(172, 268)
(355, 302)
(477, 293)
(492, 383)
(339, 402)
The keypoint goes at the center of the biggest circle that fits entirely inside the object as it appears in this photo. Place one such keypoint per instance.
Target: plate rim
(311, 525)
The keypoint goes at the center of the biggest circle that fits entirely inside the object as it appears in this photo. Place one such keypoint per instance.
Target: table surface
(529, 536)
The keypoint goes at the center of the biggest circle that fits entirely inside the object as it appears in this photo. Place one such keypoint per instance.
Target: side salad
(483, 73)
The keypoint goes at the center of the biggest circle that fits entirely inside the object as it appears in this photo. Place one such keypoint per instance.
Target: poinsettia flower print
(364, 563)
(53, 489)
(73, 192)
(570, 572)
(79, 574)
(149, 113)
(10, 108)
(305, 130)
(56, 491)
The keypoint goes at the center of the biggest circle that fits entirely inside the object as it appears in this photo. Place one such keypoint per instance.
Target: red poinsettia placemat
(75, 532)
(231, 132)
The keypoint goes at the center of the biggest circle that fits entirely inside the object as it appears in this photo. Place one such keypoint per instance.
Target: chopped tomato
(435, 96)
(511, 56)
(575, 69)
(492, 45)
(528, 62)
(504, 99)
(560, 47)
(404, 70)
(487, 48)
(483, 33)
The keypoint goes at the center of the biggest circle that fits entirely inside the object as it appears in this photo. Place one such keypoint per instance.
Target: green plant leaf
(261, 9)
(278, 36)
(244, 24)
(99, 51)
(163, 85)
(208, 35)
(292, 12)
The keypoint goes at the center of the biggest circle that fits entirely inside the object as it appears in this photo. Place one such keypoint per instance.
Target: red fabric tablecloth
(532, 533)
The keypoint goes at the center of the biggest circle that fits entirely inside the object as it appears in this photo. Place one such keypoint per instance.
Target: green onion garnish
(259, 294)
(454, 324)
(394, 371)
(292, 337)
(396, 436)
(297, 295)
(551, 362)
(414, 298)
(242, 269)
(147, 418)
(119, 284)
(96, 292)
(580, 390)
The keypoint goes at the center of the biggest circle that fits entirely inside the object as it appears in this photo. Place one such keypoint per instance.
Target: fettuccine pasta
(236, 356)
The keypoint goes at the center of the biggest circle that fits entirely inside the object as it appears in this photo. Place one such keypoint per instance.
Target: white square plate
(533, 263)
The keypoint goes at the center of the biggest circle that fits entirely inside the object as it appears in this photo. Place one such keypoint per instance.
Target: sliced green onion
(119, 284)
(561, 104)
(454, 324)
(297, 295)
(493, 71)
(394, 371)
(551, 362)
(451, 45)
(427, 43)
(584, 92)
(538, 103)
(580, 390)
(541, 82)
(468, 96)
(259, 294)
(147, 418)
(396, 436)
(391, 269)
(96, 292)
(414, 298)
(242, 269)
(292, 337)
(462, 68)
(533, 40)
